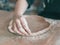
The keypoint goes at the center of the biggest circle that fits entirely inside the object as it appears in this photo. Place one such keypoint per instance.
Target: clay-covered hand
(19, 25)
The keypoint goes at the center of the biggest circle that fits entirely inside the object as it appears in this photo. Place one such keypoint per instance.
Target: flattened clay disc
(36, 23)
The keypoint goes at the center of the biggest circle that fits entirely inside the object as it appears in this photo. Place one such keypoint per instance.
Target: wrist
(17, 16)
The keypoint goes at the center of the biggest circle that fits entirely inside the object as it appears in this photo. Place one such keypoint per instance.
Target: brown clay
(36, 23)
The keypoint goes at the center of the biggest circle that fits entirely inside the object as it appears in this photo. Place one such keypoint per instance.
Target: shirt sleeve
(30, 2)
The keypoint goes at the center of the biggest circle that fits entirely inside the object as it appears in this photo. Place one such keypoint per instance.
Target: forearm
(20, 7)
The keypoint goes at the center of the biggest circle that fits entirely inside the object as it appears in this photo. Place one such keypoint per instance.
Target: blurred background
(9, 5)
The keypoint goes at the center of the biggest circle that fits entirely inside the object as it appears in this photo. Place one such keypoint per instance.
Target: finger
(10, 28)
(19, 27)
(10, 23)
(25, 25)
(16, 30)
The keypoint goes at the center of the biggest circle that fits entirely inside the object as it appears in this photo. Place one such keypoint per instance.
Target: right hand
(19, 25)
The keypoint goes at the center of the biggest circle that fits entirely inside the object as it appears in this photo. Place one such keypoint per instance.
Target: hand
(20, 26)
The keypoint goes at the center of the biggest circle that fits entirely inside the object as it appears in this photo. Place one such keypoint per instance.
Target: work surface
(7, 38)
